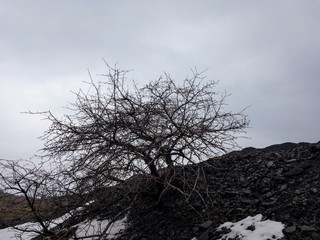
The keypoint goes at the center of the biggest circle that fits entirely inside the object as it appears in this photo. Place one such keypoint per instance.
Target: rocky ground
(282, 182)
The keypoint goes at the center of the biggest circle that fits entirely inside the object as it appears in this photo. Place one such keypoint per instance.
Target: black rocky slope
(282, 182)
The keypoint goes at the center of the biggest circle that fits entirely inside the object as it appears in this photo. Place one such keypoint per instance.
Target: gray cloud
(265, 53)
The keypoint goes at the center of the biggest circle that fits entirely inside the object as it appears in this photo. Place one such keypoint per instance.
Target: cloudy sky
(265, 53)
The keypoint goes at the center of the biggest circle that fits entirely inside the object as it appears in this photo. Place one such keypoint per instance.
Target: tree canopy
(116, 130)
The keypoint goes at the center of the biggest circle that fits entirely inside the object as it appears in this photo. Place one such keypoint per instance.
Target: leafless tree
(118, 132)
(45, 204)
(114, 131)
(24, 186)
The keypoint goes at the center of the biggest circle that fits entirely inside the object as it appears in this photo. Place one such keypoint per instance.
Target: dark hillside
(282, 182)
(13, 210)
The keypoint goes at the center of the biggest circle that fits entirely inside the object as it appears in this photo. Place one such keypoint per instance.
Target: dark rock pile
(282, 182)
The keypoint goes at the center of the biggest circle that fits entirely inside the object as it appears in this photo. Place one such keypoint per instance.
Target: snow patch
(14, 233)
(94, 227)
(253, 228)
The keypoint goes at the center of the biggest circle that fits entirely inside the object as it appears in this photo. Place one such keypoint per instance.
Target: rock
(279, 172)
(270, 164)
(306, 228)
(206, 224)
(204, 236)
(250, 201)
(247, 191)
(284, 187)
(195, 229)
(269, 203)
(290, 229)
(280, 179)
(291, 160)
(314, 190)
(315, 236)
(297, 192)
(293, 172)
(306, 164)
(269, 194)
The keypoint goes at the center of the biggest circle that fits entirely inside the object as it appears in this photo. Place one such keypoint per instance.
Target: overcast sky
(265, 53)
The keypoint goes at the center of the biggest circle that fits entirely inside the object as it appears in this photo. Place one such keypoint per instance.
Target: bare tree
(114, 131)
(24, 185)
(42, 204)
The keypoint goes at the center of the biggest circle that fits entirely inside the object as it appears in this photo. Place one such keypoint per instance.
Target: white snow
(260, 230)
(250, 228)
(86, 228)
(13, 233)
(93, 227)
